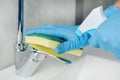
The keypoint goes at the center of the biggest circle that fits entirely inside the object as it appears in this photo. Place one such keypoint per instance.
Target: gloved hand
(67, 32)
(107, 35)
(73, 41)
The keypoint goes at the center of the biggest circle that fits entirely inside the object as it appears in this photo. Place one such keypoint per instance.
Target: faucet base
(26, 63)
(31, 65)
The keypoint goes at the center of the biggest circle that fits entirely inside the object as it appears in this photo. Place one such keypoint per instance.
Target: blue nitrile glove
(106, 36)
(67, 32)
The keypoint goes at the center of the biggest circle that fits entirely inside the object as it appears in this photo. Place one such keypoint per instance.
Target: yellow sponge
(52, 44)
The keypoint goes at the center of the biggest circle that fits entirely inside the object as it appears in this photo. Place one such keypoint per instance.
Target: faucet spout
(20, 20)
(20, 37)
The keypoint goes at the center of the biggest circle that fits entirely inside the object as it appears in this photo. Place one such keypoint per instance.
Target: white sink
(93, 68)
(83, 68)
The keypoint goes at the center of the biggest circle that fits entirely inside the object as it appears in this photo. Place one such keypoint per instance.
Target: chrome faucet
(27, 59)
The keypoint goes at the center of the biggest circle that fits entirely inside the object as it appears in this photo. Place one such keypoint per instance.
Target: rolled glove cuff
(91, 32)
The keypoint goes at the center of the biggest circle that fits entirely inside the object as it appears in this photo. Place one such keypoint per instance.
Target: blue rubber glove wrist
(107, 37)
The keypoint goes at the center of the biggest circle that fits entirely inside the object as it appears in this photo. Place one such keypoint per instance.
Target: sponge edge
(51, 52)
(49, 42)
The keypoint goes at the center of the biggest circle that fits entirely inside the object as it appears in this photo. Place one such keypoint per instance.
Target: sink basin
(92, 68)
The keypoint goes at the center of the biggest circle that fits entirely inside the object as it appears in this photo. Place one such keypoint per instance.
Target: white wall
(8, 26)
(54, 12)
